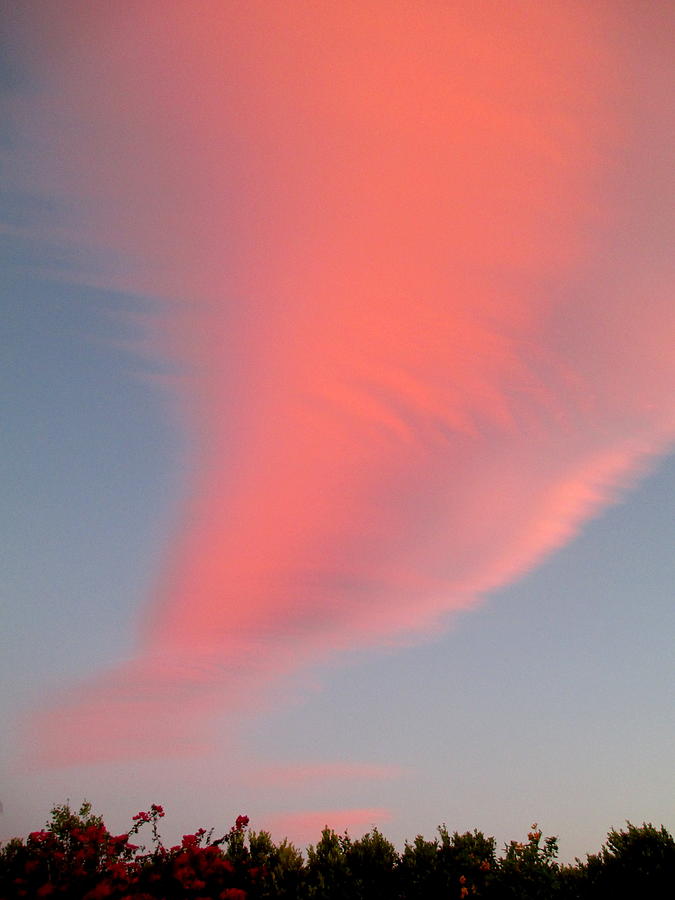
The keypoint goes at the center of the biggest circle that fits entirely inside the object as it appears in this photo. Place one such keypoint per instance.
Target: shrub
(637, 862)
(75, 856)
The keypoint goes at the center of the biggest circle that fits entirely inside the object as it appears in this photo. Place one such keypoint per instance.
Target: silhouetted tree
(636, 862)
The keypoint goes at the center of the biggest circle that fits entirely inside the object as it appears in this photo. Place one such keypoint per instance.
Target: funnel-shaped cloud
(416, 267)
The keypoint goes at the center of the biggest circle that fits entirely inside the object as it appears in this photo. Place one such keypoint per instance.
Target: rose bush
(75, 856)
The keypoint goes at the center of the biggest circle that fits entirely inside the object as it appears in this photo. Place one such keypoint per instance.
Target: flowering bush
(75, 856)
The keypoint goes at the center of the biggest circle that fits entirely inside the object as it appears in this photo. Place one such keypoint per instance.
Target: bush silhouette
(75, 856)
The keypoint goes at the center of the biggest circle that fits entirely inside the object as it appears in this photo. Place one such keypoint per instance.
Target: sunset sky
(338, 391)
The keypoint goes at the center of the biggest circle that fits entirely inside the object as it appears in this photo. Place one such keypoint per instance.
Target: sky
(338, 415)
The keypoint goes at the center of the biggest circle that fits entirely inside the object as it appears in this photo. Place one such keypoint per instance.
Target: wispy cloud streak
(420, 285)
(306, 827)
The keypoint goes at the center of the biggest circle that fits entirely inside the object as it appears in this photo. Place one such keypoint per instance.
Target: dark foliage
(75, 856)
(637, 862)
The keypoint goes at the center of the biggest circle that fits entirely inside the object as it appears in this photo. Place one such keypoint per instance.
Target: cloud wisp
(305, 827)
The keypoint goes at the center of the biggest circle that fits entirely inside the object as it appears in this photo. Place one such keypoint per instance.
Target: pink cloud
(302, 828)
(418, 280)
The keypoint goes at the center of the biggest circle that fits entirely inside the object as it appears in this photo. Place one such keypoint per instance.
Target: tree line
(75, 856)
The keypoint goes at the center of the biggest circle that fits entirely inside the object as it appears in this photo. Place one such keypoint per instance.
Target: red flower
(233, 894)
(38, 836)
(241, 822)
(158, 810)
(117, 870)
(100, 892)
